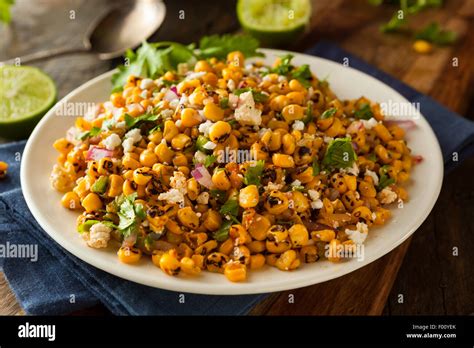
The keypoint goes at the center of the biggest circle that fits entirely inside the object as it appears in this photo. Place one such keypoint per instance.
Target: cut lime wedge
(274, 22)
(26, 93)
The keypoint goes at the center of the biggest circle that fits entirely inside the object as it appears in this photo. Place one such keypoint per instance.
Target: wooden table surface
(431, 280)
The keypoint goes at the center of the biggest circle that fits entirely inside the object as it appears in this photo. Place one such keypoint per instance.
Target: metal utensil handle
(40, 55)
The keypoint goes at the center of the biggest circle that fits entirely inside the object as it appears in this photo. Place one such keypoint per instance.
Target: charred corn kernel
(213, 112)
(142, 176)
(92, 202)
(422, 46)
(271, 259)
(199, 261)
(215, 262)
(129, 255)
(130, 163)
(276, 202)
(367, 189)
(381, 216)
(220, 180)
(220, 131)
(180, 159)
(334, 250)
(256, 246)
(190, 118)
(227, 247)
(257, 261)
(323, 235)
(239, 234)
(363, 214)
(289, 144)
(71, 201)
(188, 266)
(212, 220)
(336, 128)
(259, 227)
(292, 112)
(169, 263)
(248, 196)
(129, 187)
(382, 132)
(148, 158)
(284, 161)
(188, 217)
(180, 142)
(164, 153)
(298, 235)
(383, 154)
(271, 140)
(309, 254)
(106, 166)
(206, 247)
(236, 59)
(304, 174)
(62, 145)
(193, 189)
(235, 272)
(288, 261)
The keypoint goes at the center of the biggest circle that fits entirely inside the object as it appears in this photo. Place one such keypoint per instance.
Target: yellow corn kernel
(92, 202)
(309, 254)
(188, 266)
(295, 85)
(292, 112)
(164, 153)
(279, 102)
(180, 142)
(276, 202)
(257, 261)
(148, 158)
(220, 131)
(235, 272)
(128, 162)
(256, 246)
(215, 262)
(188, 217)
(169, 263)
(288, 261)
(170, 130)
(296, 97)
(227, 247)
(300, 202)
(289, 144)
(213, 112)
(284, 161)
(220, 180)
(206, 247)
(351, 182)
(190, 118)
(212, 220)
(202, 65)
(129, 255)
(422, 46)
(235, 59)
(298, 235)
(363, 214)
(62, 145)
(323, 235)
(142, 176)
(259, 227)
(71, 201)
(248, 196)
(382, 132)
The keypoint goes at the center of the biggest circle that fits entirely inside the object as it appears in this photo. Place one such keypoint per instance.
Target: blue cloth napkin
(60, 283)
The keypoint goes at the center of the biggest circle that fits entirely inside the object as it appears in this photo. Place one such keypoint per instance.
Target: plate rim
(217, 289)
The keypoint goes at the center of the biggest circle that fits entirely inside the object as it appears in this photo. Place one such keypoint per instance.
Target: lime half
(274, 22)
(26, 93)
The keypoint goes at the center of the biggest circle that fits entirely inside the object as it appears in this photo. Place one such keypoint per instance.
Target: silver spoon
(111, 35)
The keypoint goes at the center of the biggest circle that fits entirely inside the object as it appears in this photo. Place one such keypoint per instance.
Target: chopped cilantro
(328, 113)
(253, 174)
(339, 154)
(364, 112)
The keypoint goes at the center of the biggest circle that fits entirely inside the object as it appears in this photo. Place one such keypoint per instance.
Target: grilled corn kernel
(142, 176)
(220, 180)
(220, 131)
(71, 201)
(169, 263)
(248, 196)
(422, 46)
(164, 153)
(92, 202)
(170, 130)
(188, 266)
(215, 262)
(323, 235)
(129, 255)
(257, 261)
(213, 112)
(259, 227)
(212, 220)
(288, 261)
(276, 202)
(180, 141)
(148, 158)
(298, 235)
(284, 161)
(235, 272)
(292, 112)
(188, 217)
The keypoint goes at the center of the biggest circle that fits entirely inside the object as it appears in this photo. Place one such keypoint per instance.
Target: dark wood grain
(431, 280)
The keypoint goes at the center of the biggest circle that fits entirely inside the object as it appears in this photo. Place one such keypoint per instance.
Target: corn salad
(226, 167)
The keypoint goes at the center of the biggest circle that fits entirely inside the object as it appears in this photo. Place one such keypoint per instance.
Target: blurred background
(422, 272)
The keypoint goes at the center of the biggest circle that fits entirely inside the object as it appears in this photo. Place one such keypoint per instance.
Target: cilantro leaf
(209, 161)
(253, 174)
(100, 185)
(339, 154)
(316, 167)
(219, 195)
(219, 46)
(364, 112)
(86, 226)
(224, 103)
(309, 113)
(303, 75)
(200, 142)
(89, 134)
(132, 122)
(129, 214)
(328, 113)
(223, 232)
(258, 97)
(285, 65)
(230, 208)
(434, 34)
(385, 181)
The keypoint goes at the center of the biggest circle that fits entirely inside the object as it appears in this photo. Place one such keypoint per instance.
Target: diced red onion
(174, 90)
(202, 176)
(418, 159)
(355, 127)
(170, 95)
(96, 153)
(405, 124)
(130, 240)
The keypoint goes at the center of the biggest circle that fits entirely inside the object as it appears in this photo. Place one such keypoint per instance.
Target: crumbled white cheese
(209, 145)
(296, 183)
(134, 134)
(281, 78)
(246, 113)
(231, 85)
(127, 145)
(195, 75)
(146, 83)
(205, 127)
(373, 175)
(358, 235)
(135, 108)
(328, 139)
(298, 125)
(200, 156)
(112, 141)
(203, 198)
(369, 124)
(267, 78)
(351, 170)
(144, 94)
(273, 187)
(178, 181)
(120, 124)
(174, 104)
(167, 113)
(99, 235)
(172, 196)
(387, 196)
(317, 204)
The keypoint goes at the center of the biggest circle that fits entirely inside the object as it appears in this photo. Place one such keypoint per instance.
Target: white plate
(39, 157)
